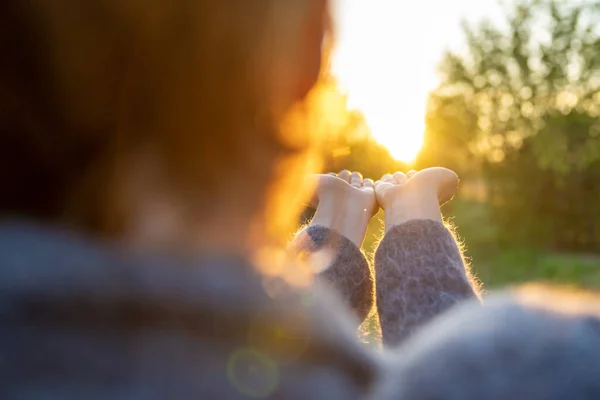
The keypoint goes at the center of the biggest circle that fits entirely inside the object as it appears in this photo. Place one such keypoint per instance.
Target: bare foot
(345, 203)
(416, 195)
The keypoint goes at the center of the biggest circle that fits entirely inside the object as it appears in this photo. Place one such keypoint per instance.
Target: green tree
(521, 107)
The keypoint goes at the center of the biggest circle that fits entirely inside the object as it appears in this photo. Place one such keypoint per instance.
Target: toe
(400, 178)
(345, 175)
(387, 178)
(356, 179)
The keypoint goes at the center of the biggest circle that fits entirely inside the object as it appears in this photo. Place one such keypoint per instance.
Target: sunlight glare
(386, 56)
(372, 64)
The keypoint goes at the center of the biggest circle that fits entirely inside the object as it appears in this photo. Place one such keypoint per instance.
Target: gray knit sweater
(86, 320)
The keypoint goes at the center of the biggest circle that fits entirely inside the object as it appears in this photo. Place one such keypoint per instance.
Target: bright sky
(387, 55)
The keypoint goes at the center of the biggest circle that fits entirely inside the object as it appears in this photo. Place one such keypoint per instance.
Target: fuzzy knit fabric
(530, 343)
(83, 319)
(346, 269)
(417, 279)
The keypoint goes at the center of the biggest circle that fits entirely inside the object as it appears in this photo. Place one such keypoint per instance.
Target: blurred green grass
(494, 263)
(498, 264)
(496, 260)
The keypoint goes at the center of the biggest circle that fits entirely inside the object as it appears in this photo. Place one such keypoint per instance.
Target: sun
(381, 77)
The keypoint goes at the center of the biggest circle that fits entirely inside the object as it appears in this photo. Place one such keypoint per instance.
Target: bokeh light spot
(253, 373)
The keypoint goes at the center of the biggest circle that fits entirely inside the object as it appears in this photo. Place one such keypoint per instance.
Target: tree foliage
(522, 107)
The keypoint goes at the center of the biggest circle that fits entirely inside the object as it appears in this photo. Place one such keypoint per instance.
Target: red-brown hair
(86, 84)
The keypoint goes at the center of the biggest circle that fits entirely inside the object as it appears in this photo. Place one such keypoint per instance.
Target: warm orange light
(387, 56)
(371, 67)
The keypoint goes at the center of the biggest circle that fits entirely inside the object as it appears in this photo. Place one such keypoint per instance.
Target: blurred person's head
(160, 121)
